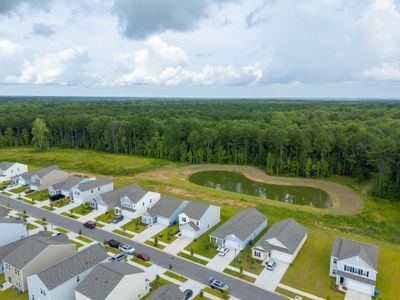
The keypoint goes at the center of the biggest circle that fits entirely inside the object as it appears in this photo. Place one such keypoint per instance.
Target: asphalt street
(237, 288)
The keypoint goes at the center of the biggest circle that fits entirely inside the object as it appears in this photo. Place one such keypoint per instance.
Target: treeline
(291, 138)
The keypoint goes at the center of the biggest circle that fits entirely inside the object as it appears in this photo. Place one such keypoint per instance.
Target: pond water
(235, 182)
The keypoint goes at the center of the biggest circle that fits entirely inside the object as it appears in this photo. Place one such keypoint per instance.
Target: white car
(127, 249)
(271, 265)
(223, 251)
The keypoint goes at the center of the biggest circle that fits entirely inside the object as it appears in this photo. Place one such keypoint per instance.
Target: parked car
(187, 294)
(29, 191)
(223, 251)
(271, 265)
(90, 225)
(128, 249)
(114, 244)
(118, 257)
(143, 257)
(117, 219)
(218, 285)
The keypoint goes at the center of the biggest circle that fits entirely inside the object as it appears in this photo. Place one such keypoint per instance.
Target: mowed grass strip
(151, 243)
(67, 214)
(84, 239)
(176, 276)
(193, 258)
(141, 262)
(123, 233)
(216, 293)
(64, 231)
(239, 275)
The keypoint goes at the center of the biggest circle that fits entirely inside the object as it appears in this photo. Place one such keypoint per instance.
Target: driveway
(269, 280)
(149, 233)
(355, 295)
(178, 245)
(238, 288)
(219, 263)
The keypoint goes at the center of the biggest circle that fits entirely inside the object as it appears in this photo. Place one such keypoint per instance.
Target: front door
(341, 280)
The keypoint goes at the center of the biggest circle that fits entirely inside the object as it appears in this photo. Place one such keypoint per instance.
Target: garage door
(232, 244)
(361, 287)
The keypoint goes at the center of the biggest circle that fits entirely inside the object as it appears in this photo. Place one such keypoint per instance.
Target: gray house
(64, 188)
(113, 280)
(282, 242)
(167, 292)
(354, 265)
(240, 230)
(166, 211)
(58, 282)
(26, 178)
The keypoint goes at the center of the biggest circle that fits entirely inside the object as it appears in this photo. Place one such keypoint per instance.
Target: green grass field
(39, 196)
(10, 294)
(135, 226)
(19, 189)
(168, 234)
(83, 209)
(106, 217)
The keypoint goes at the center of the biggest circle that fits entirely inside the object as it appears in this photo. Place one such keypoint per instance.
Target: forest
(287, 138)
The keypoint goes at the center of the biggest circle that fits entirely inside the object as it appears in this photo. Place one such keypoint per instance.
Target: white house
(166, 211)
(197, 218)
(240, 230)
(58, 282)
(86, 191)
(11, 169)
(354, 265)
(113, 281)
(26, 178)
(64, 188)
(282, 242)
(11, 230)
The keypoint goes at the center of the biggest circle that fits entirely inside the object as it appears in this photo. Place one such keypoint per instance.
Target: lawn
(135, 226)
(151, 243)
(199, 297)
(176, 276)
(238, 275)
(84, 239)
(19, 189)
(168, 234)
(193, 258)
(28, 201)
(112, 250)
(49, 208)
(39, 196)
(41, 222)
(106, 217)
(83, 209)
(216, 293)
(62, 202)
(245, 259)
(141, 262)
(31, 226)
(154, 285)
(10, 294)
(125, 234)
(78, 245)
(5, 193)
(288, 293)
(64, 231)
(2, 279)
(69, 215)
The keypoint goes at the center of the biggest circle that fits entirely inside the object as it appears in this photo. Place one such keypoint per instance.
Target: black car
(187, 294)
(114, 244)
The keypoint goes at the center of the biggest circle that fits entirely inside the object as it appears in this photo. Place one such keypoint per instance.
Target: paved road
(238, 288)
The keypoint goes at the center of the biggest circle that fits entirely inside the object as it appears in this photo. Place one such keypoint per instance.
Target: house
(86, 191)
(113, 280)
(11, 169)
(197, 218)
(64, 189)
(26, 178)
(354, 265)
(130, 201)
(33, 255)
(167, 292)
(282, 242)
(12, 229)
(3, 212)
(58, 282)
(166, 211)
(41, 181)
(240, 230)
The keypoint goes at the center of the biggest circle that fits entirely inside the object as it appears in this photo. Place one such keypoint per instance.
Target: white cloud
(160, 63)
(67, 67)
(388, 71)
(8, 48)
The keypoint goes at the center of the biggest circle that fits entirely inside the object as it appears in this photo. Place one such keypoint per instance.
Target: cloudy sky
(200, 48)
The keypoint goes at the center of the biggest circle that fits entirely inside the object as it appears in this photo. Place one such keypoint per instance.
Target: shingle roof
(194, 226)
(104, 278)
(288, 232)
(167, 292)
(355, 277)
(7, 249)
(6, 165)
(133, 191)
(3, 212)
(165, 207)
(85, 186)
(242, 225)
(31, 247)
(40, 172)
(344, 248)
(12, 220)
(196, 209)
(67, 184)
(65, 270)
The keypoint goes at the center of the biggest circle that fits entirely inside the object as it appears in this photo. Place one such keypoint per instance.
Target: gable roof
(63, 271)
(196, 209)
(5, 165)
(102, 280)
(85, 186)
(40, 172)
(12, 220)
(242, 225)
(68, 183)
(7, 249)
(167, 292)
(133, 191)
(344, 248)
(288, 232)
(30, 247)
(165, 207)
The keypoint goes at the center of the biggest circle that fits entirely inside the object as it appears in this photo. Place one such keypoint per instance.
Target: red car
(143, 257)
(90, 225)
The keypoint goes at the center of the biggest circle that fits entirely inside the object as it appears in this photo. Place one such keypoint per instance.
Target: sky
(201, 48)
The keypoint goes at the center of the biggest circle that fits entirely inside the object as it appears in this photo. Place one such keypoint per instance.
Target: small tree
(170, 266)
(157, 279)
(44, 219)
(155, 241)
(241, 269)
(201, 294)
(80, 231)
(191, 251)
(105, 242)
(71, 211)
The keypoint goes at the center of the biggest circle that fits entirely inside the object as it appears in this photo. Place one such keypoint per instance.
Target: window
(197, 223)
(151, 200)
(78, 279)
(257, 254)
(17, 271)
(8, 267)
(43, 292)
(92, 191)
(183, 219)
(98, 189)
(142, 203)
(334, 260)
